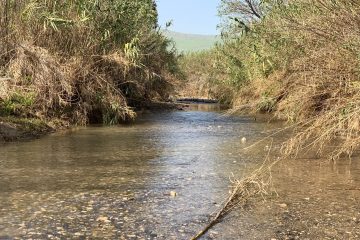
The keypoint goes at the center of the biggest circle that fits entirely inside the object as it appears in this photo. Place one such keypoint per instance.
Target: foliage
(16, 104)
(298, 59)
(84, 58)
(302, 52)
(204, 76)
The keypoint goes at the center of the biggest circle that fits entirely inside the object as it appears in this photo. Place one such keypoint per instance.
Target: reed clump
(199, 79)
(81, 61)
(298, 60)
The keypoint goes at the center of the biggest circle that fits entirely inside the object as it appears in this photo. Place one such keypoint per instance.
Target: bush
(299, 59)
(81, 59)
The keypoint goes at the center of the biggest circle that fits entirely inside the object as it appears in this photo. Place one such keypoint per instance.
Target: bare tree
(247, 10)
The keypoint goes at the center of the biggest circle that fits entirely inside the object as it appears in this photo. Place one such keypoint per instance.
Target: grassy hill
(192, 42)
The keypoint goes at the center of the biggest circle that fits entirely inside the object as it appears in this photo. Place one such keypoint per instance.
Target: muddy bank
(17, 129)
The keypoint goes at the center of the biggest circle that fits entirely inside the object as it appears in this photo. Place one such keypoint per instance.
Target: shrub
(81, 59)
(299, 59)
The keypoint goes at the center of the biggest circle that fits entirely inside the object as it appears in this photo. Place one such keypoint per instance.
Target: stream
(163, 176)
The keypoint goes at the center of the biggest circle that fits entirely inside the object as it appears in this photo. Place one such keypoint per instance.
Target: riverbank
(17, 129)
(75, 80)
(297, 60)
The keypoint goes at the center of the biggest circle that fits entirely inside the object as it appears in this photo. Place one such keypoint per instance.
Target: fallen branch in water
(257, 183)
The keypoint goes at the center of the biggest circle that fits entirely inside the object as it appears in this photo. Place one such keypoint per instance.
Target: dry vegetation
(258, 183)
(80, 61)
(324, 77)
(297, 59)
(198, 78)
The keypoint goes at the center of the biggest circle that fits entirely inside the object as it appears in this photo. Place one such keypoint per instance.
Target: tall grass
(83, 61)
(198, 80)
(298, 59)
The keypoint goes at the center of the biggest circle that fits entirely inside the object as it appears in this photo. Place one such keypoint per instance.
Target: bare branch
(247, 10)
(254, 8)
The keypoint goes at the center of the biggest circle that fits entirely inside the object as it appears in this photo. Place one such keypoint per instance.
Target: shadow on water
(117, 182)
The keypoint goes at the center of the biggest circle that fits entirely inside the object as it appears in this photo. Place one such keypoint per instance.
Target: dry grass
(71, 91)
(322, 85)
(305, 69)
(70, 61)
(204, 77)
(258, 183)
(35, 71)
(302, 63)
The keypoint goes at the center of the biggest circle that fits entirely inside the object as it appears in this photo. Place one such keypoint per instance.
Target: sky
(190, 16)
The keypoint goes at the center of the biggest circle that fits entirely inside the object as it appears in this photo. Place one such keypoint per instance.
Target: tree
(246, 10)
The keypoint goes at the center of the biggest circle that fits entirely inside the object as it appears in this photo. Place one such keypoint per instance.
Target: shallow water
(119, 182)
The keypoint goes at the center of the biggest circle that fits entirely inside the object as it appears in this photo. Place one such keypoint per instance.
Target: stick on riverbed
(257, 183)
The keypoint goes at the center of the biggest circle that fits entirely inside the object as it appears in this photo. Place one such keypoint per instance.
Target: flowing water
(162, 177)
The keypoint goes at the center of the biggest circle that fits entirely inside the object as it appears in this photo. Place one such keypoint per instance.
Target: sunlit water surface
(120, 182)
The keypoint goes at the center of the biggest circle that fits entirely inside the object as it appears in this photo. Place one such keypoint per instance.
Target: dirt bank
(16, 129)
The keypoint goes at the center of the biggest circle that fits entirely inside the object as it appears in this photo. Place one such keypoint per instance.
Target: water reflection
(115, 182)
(62, 184)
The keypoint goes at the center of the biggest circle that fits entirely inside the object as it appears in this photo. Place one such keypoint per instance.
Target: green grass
(192, 42)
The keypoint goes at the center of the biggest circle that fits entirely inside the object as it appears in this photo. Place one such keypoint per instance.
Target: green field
(192, 42)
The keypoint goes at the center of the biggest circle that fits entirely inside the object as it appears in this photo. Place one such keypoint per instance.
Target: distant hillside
(192, 42)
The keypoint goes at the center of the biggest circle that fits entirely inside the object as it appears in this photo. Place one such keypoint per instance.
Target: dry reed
(258, 183)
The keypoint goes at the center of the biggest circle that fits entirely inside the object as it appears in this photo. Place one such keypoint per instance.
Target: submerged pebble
(173, 194)
(123, 183)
